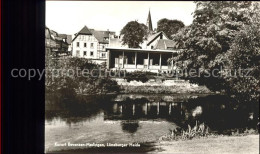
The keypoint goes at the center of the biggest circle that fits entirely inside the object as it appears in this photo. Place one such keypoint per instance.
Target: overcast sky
(69, 17)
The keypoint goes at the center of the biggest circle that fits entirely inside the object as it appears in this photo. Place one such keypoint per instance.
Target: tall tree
(223, 36)
(134, 33)
(169, 27)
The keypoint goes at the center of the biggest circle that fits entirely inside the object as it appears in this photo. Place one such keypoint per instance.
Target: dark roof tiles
(101, 36)
(85, 31)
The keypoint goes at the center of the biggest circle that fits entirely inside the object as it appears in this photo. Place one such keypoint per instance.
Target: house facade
(57, 43)
(50, 42)
(91, 44)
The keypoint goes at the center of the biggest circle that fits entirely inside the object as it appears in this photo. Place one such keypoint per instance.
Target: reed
(199, 130)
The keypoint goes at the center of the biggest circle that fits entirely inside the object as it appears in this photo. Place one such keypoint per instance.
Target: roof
(85, 31)
(64, 36)
(53, 33)
(155, 36)
(67, 37)
(47, 33)
(164, 44)
(141, 50)
(101, 36)
(58, 38)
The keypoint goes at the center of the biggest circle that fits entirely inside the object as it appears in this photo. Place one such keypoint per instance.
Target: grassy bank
(216, 145)
(163, 89)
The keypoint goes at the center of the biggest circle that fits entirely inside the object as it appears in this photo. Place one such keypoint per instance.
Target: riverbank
(159, 86)
(216, 145)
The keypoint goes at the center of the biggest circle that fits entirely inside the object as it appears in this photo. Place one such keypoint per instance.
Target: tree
(133, 34)
(169, 27)
(223, 36)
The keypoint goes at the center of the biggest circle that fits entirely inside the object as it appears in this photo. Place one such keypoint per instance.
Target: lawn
(216, 145)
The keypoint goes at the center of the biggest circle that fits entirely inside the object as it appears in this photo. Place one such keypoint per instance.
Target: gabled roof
(141, 50)
(67, 37)
(54, 33)
(64, 36)
(164, 44)
(155, 36)
(99, 35)
(47, 33)
(85, 31)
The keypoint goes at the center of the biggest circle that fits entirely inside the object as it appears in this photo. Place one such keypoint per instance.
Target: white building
(105, 47)
(91, 44)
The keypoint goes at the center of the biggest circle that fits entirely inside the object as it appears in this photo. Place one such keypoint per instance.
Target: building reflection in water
(217, 112)
(144, 109)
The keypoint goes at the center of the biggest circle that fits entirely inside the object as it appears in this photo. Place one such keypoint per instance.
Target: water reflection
(140, 118)
(130, 127)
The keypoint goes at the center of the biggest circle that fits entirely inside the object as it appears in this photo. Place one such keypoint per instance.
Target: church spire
(149, 23)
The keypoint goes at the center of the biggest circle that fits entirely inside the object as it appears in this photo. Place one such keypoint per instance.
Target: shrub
(80, 84)
(139, 76)
(199, 130)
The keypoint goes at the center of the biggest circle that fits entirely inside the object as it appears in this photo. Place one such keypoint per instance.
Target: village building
(103, 47)
(154, 55)
(49, 41)
(57, 43)
(91, 44)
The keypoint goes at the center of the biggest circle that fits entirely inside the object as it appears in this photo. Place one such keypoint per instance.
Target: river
(137, 119)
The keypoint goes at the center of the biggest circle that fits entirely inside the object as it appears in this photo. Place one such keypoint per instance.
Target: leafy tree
(133, 34)
(169, 27)
(224, 35)
(145, 29)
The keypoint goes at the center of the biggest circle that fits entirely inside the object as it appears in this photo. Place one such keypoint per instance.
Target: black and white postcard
(151, 77)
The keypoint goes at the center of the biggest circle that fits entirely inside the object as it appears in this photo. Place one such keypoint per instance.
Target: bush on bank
(73, 75)
(139, 76)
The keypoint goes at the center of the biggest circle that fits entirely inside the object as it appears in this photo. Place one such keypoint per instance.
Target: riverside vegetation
(223, 35)
(202, 131)
(70, 83)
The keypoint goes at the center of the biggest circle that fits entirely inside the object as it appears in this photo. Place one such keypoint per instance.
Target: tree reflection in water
(218, 112)
(130, 126)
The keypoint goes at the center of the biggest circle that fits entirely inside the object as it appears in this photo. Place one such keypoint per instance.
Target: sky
(69, 17)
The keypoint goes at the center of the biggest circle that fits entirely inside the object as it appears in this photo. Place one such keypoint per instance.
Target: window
(151, 47)
(85, 45)
(77, 44)
(103, 47)
(92, 45)
(103, 55)
(85, 53)
(91, 53)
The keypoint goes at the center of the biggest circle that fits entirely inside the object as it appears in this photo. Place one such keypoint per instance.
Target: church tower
(149, 23)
